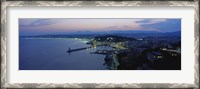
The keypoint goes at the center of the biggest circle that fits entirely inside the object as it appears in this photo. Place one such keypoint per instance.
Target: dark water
(50, 54)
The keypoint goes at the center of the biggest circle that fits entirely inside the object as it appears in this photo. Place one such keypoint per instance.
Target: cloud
(163, 25)
(154, 21)
(36, 22)
(150, 21)
(152, 24)
(40, 25)
(128, 26)
(42, 22)
(114, 27)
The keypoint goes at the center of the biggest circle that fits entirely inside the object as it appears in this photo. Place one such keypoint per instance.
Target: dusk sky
(36, 26)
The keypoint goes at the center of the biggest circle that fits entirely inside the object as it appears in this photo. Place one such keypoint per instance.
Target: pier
(78, 49)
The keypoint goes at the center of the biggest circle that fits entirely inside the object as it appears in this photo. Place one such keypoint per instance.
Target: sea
(51, 54)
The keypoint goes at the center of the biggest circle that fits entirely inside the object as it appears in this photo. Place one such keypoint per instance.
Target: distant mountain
(129, 32)
(149, 34)
(113, 38)
(176, 33)
(134, 31)
(112, 32)
(173, 33)
(90, 34)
